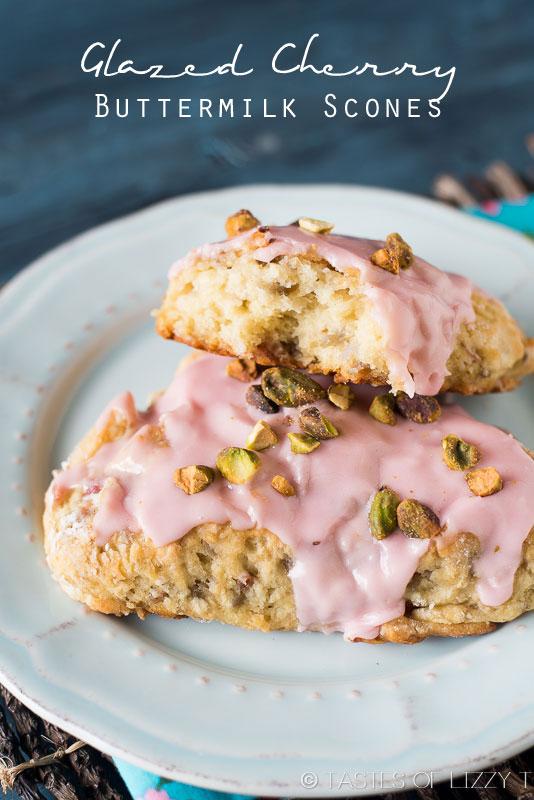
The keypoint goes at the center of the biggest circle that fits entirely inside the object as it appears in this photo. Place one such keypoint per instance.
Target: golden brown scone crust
(241, 577)
(490, 355)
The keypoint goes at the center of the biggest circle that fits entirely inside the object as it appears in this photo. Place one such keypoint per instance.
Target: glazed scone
(319, 302)
(123, 536)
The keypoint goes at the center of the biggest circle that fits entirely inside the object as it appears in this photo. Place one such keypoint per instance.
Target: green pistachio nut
(417, 520)
(383, 512)
(302, 443)
(399, 251)
(315, 225)
(290, 388)
(283, 486)
(383, 409)
(261, 437)
(316, 424)
(419, 408)
(341, 395)
(255, 397)
(237, 464)
(457, 454)
(194, 478)
(484, 481)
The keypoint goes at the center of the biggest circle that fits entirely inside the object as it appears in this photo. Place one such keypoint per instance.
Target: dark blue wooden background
(62, 170)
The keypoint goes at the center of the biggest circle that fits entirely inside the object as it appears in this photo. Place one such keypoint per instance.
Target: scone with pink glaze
(274, 501)
(362, 310)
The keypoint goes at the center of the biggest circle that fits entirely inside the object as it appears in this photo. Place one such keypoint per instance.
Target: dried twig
(8, 774)
(84, 774)
(11, 753)
(61, 781)
(95, 771)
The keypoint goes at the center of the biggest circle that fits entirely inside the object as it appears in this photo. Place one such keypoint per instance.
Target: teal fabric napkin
(146, 786)
(517, 214)
(143, 785)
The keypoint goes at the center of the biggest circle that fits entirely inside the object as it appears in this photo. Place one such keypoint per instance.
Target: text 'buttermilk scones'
(270, 500)
(363, 310)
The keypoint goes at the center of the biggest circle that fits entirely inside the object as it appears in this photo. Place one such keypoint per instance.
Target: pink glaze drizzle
(419, 311)
(343, 578)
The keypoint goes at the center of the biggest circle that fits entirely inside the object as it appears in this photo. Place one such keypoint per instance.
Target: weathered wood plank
(62, 171)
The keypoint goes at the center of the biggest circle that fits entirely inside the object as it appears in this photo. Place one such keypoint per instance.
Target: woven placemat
(85, 774)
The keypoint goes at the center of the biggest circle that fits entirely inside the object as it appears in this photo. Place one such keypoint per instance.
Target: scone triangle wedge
(274, 500)
(361, 310)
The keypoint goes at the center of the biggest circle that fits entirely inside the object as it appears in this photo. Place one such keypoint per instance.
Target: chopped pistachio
(484, 481)
(154, 434)
(256, 398)
(399, 250)
(302, 443)
(417, 520)
(380, 258)
(242, 369)
(261, 436)
(282, 486)
(383, 512)
(287, 387)
(237, 464)
(194, 479)
(383, 409)
(315, 225)
(316, 424)
(396, 255)
(419, 408)
(341, 395)
(458, 454)
(240, 222)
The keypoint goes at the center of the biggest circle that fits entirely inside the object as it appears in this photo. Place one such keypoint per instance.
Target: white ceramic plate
(269, 714)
